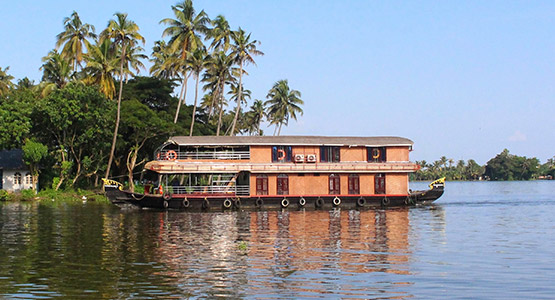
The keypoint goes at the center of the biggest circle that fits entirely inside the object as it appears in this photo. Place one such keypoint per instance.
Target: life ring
(259, 202)
(205, 204)
(171, 155)
(165, 204)
(161, 190)
(319, 202)
(158, 156)
(186, 203)
(284, 203)
(237, 203)
(361, 202)
(385, 201)
(376, 153)
(302, 202)
(227, 203)
(167, 196)
(281, 154)
(336, 201)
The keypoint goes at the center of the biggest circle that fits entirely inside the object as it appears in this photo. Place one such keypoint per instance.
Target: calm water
(481, 240)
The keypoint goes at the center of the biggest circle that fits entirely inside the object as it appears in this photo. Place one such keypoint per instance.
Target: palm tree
(283, 103)
(101, 66)
(219, 72)
(132, 60)
(242, 50)
(197, 61)
(163, 61)
(256, 114)
(220, 34)
(124, 33)
(56, 73)
(5, 81)
(73, 37)
(184, 38)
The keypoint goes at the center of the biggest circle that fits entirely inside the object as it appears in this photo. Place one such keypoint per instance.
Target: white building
(14, 172)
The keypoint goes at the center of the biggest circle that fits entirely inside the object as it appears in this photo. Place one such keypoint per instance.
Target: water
(489, 240)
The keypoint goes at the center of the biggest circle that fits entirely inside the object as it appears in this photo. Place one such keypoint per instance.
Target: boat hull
(229, 202)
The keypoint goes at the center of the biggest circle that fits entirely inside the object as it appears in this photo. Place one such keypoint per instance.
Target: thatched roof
(352, 141)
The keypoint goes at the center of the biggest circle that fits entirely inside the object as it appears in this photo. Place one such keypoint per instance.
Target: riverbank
(53, 195)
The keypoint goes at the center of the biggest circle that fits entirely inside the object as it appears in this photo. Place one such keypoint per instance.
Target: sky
(462, 79)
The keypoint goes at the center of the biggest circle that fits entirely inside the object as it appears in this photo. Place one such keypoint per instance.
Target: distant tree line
(96, 118)
(504, 166)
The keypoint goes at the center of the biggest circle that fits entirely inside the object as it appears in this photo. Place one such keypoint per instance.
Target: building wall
(396, 183)
(8, 181)
(397, 154)
(353, 154)
(261, 154)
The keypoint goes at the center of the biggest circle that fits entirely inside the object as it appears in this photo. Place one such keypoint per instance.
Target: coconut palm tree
(74, 36)
(220, 34)
(102, 64)
(243, 50)
(132, 61)
(184, 36)
(56, 73)
(283, 103)
(256, 116)
(124, 33)
(5, 81)
(163, 61)
(197, 61)
(219, 73)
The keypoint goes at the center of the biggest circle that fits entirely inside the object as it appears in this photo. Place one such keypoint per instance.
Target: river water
(488, 240)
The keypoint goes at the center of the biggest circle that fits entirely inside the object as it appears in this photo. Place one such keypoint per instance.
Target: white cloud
(517, 137)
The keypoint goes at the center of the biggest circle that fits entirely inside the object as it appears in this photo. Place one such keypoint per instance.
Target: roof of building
(12, 160)
(352, 141)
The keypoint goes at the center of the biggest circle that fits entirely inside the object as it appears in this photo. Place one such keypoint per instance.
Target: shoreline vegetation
(92, 116)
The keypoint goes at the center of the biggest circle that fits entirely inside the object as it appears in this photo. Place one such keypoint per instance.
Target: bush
(3, 195)
(27, 194)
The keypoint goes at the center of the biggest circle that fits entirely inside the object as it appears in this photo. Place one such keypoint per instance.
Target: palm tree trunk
(239, 96)
(221, 107)
(194, 108)
(183, 94)
(117, 114)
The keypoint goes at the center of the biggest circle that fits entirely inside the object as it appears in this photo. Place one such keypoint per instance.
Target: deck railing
(182, 155)
(239, 190)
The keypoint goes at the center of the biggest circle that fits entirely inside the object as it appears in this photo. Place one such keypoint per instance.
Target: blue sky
(464, 79)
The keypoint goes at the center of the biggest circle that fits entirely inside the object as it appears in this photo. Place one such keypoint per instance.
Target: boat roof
(294, 140)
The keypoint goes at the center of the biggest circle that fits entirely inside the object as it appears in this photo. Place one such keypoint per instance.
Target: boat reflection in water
(287, 253)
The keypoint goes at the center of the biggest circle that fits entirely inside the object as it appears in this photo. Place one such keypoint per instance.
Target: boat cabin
(278, 166)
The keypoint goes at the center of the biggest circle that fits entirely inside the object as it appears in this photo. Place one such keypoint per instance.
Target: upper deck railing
(207, 155)
(239, 190)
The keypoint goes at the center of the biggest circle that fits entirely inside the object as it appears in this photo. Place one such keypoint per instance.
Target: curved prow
(438, 183)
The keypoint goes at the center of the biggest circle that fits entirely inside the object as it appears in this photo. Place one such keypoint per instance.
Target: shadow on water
(98, 251)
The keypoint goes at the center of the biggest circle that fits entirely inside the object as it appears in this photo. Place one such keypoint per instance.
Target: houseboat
(231, 172)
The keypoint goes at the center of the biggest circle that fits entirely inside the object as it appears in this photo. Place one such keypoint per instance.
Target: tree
(5, 81)
(220, 34)
(74, 122)
(243, 50)
(101, 66)
(56, 73)
(139, 124)
(124, 33)
(218, 73)
(184, 36)
(282, 104)
(197, 61)
(74, 36)
(164, 62)
(15, 118)
(506, 166)
(33, 154)
(256, 116)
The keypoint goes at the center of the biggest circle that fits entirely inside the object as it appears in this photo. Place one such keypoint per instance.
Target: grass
(53, 195)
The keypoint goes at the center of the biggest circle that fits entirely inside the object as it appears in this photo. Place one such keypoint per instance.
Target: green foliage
(34, 152)
(506, 166)
(15, 118)
(3, 195)
(27, 194)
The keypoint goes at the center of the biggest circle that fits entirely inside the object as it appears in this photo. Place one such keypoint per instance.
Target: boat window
(329, 154)
(283, 184)
(281, 153)
(261, 184)
(376, 154)
(334, 184)
(354, 184)
(379, 183)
